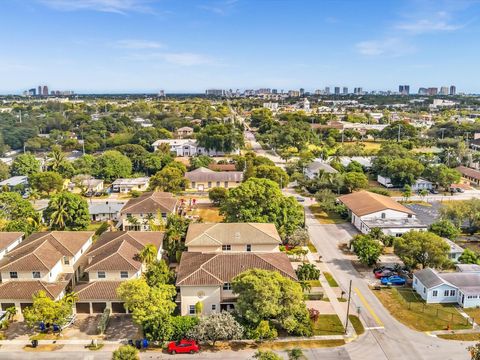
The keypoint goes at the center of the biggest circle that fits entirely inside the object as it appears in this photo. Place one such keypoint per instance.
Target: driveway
(426, 214)
(121, 327)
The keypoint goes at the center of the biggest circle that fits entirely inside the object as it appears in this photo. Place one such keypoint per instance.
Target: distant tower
(302, 91)
(453, 90)
(337, 90)
(345, 90)
(39, 90)
(45, 90)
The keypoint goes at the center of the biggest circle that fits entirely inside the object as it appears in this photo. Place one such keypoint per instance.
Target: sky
(191, 45)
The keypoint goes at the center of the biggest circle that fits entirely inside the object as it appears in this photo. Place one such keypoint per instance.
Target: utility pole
(399, 127)
(348, 305)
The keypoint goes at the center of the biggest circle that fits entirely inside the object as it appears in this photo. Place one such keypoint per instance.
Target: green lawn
(461, 337)
(357, 324)
(311, 247)
(324, 217)
(314, 283)
(331, 281)
(328, 325)
(407, 307)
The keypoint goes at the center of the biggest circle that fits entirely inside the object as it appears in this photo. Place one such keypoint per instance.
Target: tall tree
(25, 165)
(112, 165)
(46, 182)
(215, 327)
(67, 211)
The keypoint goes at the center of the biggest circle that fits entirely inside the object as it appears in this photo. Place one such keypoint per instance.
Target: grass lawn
(94, 226)
(328, 325)
(311, 247)
(41, 348)
(357, 324)
(331, 281)
(314, 283)
(407, 307)
(461, 337)
(324, 217)
(270, 345)
(45, 336)
(473, 313)
(209, 213)
(371, 145)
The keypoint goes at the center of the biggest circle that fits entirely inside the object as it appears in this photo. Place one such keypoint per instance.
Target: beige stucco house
(203, 179)
(232, 237)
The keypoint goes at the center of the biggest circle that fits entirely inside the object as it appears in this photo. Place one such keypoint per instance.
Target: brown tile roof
(97, 290)
(118, 250)
(41, 251)
(222, 167)
(365, 202)
(23, 290)
(197, 269)
(203, 174)
(231, 234)
(151, 203)
(6, 238)
(466, 171)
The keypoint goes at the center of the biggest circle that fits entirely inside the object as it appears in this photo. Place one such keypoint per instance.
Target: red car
(384, 273)
(183, 346)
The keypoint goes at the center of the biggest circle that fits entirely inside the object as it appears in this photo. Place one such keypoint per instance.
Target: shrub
(217, 195)
(307, 272)
(314, 314)
(125, 352)
(102, 228)
(103, 323)
(182, 325)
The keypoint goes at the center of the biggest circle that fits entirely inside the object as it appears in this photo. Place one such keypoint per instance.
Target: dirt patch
(40, 348)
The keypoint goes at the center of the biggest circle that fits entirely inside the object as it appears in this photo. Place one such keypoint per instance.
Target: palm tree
(133, 221)
(71, 298)
(60, 216)
(11, 312)
(306, 286)
(423, 193)
(34, 194)
(57, 158)
(148, 254)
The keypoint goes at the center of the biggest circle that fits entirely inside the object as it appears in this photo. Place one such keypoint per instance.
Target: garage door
(98, 307)
(5, 306)
(83, 308)
(117, 308)
(24, 305)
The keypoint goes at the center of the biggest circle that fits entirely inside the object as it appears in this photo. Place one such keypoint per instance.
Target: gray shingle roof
(429, 278)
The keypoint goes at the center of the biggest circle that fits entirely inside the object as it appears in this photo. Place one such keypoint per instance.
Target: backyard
(407, 307)
(324, 217)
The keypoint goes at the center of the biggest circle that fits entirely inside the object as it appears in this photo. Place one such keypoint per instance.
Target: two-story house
(138, 213)
(49, 261)
(112, 259)
(369, 210)
(232, 237)
(8, 241)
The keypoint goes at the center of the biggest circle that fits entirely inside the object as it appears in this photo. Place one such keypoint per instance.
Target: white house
(127, 185)
(422, 184)
(462, 288)
(317, 166)
(14, 181)
(188, 147)
(369, 210)
(455, 250)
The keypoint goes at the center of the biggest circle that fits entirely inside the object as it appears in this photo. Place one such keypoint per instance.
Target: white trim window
(191, 310)
(434, 293)
(101, 275)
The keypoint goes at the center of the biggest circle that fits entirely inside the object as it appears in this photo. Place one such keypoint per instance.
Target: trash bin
(130, 342)
(34, 343)
(145, 343)
(138, 344)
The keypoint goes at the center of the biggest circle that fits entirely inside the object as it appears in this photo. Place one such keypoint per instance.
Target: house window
(36, 274)
(66, 260)
(123, 274)
(209, 184)
(416, 281)
(446, 292)
(13, 275)
(434, 293)
(424, 290)
(226, 184)
(214, 307)
(249, 247)
(227, 286)
(164, 215)
(101, 275)
(218, 183)
(452, 292)
(191, 310)
(383, 216)
(226, 247)
(129, 215)
(193, 184)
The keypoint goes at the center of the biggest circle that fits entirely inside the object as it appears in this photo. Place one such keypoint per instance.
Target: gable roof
(218, 234)
(7, 238)
(429, 278)
(117, 251)
(318, 165)
(97, 290)
(365, 202)
(204, 174)
(197, 269)
(151, 202)
(466, 171)
(23, 290)
(41, 251)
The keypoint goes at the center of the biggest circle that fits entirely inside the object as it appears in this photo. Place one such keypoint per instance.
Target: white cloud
(111, 6)
(391, 47)
(437, 22)
(186, 59)
(138, 44)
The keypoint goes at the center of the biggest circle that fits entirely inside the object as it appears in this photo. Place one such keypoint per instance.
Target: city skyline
(116, 46)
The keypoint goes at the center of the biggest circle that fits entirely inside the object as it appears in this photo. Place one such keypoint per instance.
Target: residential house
(137, 213)
(184, 132)
(222, 167)
(455, 250)
(188, 147)
(105, 211)
(462, 288)
(49, 261)
(88, 185)
(422, 184)
(8, 241)
(127, 185)
(203, 179)
(14, 182)
(232, 237)
(111, 260)
(369, 210)
(317, 166)
(207, 277)
(472, 175)
(365, 161)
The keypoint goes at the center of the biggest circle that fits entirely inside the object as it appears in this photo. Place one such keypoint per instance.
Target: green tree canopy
(67, 211)
(169, 179)
(46, 182)
(367, 249)
(112, 165)
(215, 327)
(445, 228)
(14, 207)
(220, 137)
(25, 165)
(47, 310)
(273, 173)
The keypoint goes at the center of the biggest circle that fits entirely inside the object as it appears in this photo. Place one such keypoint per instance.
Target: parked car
(384, 267)
(183, 346)
(393, 280)
(434, 191)
(300, 199)
(460, 190)
(385, 273)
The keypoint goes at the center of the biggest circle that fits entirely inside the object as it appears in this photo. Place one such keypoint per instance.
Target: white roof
(14, 181)
(175, 142)
(132, 181)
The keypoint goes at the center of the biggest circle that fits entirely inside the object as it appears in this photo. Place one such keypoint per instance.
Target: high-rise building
(337, 90)
(302, 91)
(274, 91)
(358, 91)
(432, 91)
(32, 92)
(327, 90)
(404, 89)
(45, 90)
(215, 92)
(422, 91)
(444, 90)
(453, 90)
(293, 93)
(39, 93)
(345, 90)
